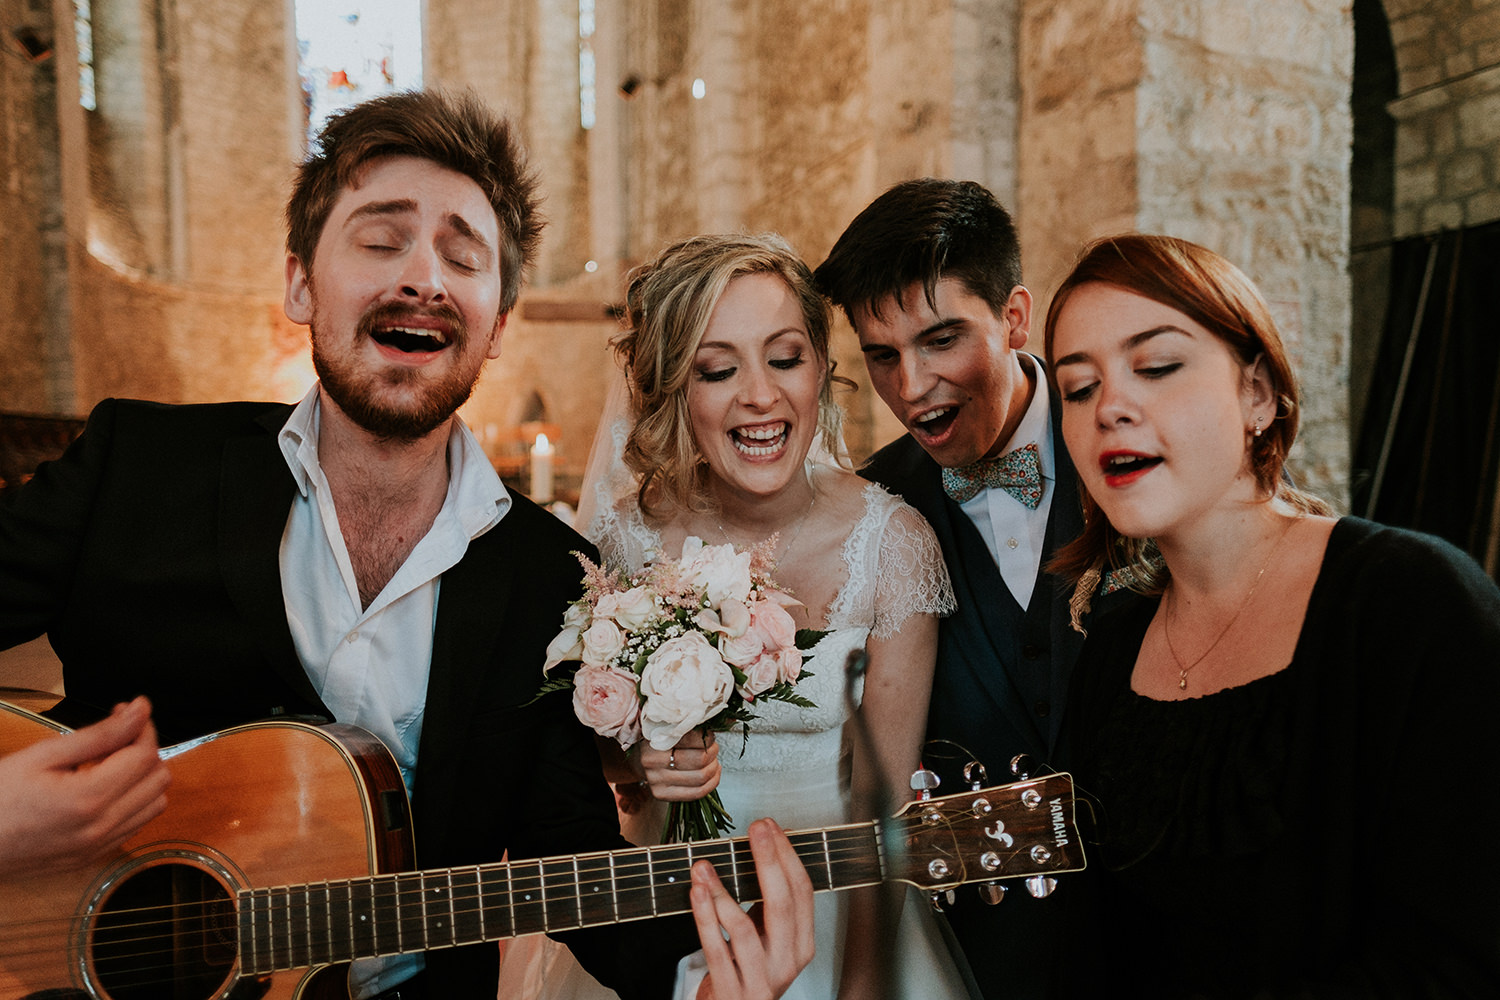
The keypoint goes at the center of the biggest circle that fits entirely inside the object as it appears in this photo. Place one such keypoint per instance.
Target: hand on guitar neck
(770, 945)
(72, 800)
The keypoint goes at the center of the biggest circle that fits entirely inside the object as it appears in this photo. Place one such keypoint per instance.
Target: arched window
(352, 50)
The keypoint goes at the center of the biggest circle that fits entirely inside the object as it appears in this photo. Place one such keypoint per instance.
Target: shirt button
(1043, 709)
(354, 635)
(1011, 543)
(1031, 651)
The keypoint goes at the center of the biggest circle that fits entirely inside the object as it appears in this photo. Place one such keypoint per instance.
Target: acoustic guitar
(285, 848)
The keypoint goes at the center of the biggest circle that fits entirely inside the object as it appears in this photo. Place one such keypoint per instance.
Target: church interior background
(1345, 155)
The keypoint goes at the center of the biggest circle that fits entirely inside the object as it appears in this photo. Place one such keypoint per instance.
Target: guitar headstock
(1022, 830)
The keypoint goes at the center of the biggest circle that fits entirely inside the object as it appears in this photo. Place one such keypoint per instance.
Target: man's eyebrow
(467, 231)
(403, 206)
(938, 327)
(376, 209)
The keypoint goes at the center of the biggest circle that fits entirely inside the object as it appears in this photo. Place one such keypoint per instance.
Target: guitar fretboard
(293, 927)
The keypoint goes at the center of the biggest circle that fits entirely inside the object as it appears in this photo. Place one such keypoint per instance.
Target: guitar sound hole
(165, 933)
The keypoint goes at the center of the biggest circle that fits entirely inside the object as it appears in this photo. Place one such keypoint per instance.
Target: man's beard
(359, 394)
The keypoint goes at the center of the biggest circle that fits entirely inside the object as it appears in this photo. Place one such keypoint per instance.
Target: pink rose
(608, 702)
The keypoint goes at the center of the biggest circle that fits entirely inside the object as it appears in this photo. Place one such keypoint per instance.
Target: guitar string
(528, 877)
(523, 877)
(116, 979)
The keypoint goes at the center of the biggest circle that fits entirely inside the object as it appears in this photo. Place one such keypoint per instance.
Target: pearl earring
(1257, 427)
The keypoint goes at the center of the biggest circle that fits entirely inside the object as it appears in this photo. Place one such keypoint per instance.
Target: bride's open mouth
(761, 441)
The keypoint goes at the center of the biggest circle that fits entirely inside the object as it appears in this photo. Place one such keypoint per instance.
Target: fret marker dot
(528, 897)
(671, 878)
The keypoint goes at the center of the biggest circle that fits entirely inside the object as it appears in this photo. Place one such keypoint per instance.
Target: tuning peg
(1041, 886)
(1021, 765)
(923, 782)
(975, 775)
(937, 899)
(991, 893)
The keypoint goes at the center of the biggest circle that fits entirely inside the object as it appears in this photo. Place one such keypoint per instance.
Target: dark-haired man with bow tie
(929, 276)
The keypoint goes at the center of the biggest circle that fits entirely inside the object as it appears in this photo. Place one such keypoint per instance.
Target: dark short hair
(922, 231)
(457, 131)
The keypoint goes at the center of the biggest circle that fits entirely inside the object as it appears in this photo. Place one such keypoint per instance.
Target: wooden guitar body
(260, 805)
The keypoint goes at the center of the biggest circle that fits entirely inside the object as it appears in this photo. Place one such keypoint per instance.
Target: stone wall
(1447, 113)
(36, 371)
(1225, 124)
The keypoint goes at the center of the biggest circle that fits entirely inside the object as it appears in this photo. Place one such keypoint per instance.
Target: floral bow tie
(1017, 472)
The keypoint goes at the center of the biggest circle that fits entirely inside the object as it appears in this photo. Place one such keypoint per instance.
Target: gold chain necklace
(796, 529)
(1166, 624)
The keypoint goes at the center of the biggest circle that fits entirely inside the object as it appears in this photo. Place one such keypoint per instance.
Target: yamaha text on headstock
(282, 851)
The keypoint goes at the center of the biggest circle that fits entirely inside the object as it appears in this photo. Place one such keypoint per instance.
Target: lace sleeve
(912, 577)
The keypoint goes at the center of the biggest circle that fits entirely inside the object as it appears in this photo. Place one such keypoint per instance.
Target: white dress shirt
(370, 665)
(1014, 533)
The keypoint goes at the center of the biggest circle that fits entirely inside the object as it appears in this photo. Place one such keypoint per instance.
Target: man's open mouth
(410, 340)
(935, 423)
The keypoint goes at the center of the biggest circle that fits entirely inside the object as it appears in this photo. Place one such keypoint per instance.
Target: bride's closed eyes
(720, 372)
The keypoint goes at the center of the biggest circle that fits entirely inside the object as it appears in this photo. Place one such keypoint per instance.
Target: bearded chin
(394, 405)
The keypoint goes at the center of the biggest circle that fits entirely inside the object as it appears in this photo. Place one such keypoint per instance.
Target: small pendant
(1182, 680)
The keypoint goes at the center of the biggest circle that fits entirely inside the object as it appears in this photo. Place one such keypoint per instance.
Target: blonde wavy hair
(668, 303)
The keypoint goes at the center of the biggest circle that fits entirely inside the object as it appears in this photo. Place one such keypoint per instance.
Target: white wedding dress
(794, 764)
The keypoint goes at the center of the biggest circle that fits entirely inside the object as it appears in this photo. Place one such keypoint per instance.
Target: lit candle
(541, 470)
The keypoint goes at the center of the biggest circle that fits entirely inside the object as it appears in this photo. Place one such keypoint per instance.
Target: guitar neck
(292, 927)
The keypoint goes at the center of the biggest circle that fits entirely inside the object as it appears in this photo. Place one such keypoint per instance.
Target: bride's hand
(687, 772)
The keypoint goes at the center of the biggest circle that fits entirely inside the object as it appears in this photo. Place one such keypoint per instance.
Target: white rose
(721, 573)
(564, 647)
(602, 642)
(630, 609)
(577, 615)
(685, 683)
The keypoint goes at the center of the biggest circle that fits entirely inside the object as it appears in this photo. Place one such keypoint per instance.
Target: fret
(596, 897)
(560, 894)
(386, 916)
(320, 942)
(468, 917)
(734, 868)
(651, 878)
(632, 885)
(614, 888)
(340, 922)
(827, 860)
(411, 912)
(670, 865)
(879, 829)
(747, 886)
(437, 907)
(361, 922)
(526, 897)
(494, 893)
(254, 925)
(298, 942)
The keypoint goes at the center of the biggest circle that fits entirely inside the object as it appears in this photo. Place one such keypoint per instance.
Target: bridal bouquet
(683, 644)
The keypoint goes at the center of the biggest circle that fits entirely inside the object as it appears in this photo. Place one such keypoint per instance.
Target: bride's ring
(672, 760)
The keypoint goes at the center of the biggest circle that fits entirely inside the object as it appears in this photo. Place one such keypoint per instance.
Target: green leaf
(807, 638)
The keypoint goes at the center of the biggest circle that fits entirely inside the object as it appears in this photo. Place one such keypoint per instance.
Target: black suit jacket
(999, 690)
(149, 556)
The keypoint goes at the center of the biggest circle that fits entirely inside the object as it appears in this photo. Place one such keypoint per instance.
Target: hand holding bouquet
(684, 644)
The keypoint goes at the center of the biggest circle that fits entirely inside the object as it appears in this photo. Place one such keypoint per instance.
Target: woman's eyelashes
(709, 373)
